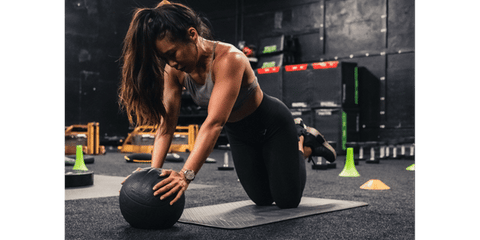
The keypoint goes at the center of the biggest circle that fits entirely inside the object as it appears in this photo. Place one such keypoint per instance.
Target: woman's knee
(289, 202)
(263, 201)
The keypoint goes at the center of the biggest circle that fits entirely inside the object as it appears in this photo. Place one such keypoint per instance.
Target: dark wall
(94, 32)
(376, 34)
(379, 35)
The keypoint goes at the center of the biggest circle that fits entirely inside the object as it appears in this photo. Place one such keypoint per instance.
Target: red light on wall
(299, 67)
(325, 65)
(268, 70)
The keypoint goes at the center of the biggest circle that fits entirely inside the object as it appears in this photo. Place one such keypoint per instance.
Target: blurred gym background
(373, 39)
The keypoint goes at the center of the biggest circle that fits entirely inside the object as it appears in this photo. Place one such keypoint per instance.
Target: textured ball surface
(143, 210)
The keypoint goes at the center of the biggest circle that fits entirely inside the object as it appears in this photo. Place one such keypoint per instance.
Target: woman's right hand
(174, 184)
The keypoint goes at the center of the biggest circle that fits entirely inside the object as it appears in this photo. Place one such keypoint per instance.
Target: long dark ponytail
(142, 85)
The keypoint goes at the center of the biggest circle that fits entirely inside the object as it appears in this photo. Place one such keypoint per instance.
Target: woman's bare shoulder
(229, 54)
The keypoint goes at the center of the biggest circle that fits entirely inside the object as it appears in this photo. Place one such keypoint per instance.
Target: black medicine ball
(143, 210)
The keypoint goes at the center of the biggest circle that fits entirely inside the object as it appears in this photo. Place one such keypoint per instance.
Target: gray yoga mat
(244, 214)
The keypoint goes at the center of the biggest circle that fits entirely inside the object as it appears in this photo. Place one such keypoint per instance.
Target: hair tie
(163, 3)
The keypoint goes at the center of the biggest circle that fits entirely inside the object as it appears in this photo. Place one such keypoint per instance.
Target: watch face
(189, 175)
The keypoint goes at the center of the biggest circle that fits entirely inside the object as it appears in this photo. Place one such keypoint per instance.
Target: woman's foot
(307, 151)
(319, 145)
(312, 142)
(301, 132)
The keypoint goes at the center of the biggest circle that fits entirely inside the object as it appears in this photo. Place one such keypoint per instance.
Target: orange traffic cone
(375, 184)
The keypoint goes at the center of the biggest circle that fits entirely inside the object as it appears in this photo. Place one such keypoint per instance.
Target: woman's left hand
(174, 183)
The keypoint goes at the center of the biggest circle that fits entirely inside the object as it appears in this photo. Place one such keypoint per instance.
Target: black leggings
(266, 156)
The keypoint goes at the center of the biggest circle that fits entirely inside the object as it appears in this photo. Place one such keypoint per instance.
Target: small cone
(349, 170)
(79, 163)
(411, 167)
(375, 184)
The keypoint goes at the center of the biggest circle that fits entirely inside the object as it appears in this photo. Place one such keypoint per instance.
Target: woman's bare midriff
(250, 105)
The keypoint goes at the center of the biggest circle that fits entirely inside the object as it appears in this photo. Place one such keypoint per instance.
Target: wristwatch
(189, 175)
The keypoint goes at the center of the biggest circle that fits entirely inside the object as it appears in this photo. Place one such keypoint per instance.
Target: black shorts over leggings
(266, 156)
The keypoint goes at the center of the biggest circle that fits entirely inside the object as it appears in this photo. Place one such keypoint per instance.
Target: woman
(166, 49)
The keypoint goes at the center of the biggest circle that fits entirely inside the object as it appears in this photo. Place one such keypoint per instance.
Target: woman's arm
(228, 72)
(172, 95)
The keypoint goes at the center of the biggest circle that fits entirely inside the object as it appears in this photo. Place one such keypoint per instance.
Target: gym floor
(389, 215)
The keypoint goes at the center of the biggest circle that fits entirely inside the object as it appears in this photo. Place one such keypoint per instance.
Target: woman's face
(179, 55)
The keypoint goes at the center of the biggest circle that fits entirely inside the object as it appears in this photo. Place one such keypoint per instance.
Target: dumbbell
(225, 158)
(410, 152)
(401, 148)
(321, 163)
(371, 145)
(361, 151)
(391, 148)
(397, 148)
(382, 148)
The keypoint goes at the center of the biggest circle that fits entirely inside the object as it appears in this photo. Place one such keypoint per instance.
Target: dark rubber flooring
(390, 214)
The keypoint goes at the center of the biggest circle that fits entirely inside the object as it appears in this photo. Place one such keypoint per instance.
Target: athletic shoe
(319, 145)
(326, 151)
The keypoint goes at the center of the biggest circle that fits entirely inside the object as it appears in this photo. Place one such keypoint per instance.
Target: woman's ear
(192, 34)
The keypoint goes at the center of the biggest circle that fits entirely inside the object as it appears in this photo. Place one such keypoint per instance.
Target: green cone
(79, 163)
(349, 170)
(411, 167)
